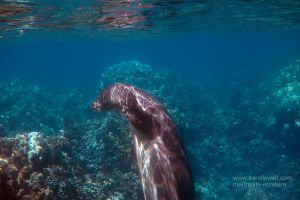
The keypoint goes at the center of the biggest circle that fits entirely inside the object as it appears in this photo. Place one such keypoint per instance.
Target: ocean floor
(242, 137)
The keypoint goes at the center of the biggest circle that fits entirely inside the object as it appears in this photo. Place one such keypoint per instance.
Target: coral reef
(258, 135)
(285, 99)
(28, 107)
(63, 150)
(33, 166)
(25, 164)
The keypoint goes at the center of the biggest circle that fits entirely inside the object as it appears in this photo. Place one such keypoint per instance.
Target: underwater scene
(149, 100)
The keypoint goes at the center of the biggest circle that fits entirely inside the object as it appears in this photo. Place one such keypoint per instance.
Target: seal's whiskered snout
(97, 105)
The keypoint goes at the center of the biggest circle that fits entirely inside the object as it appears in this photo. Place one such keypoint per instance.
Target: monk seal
(163, 166)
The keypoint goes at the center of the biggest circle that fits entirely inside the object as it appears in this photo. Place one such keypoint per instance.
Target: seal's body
(162, 164)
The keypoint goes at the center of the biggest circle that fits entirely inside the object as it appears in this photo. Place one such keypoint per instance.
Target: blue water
(228, 72)
(81, 61)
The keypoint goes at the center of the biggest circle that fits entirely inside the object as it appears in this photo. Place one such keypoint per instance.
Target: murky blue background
(79, 62)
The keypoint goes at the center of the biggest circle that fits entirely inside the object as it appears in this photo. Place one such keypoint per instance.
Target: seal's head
(103, 100)
(111, 97)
